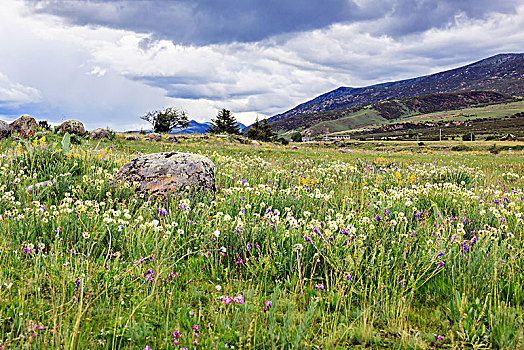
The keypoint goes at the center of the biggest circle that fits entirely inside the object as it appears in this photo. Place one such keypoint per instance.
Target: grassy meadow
(308, 248)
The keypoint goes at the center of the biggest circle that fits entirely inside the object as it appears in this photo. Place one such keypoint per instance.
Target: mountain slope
(384, 112)
(501, 73)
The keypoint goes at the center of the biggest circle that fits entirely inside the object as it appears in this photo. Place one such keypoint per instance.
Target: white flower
(218, 288)
(298, 247)
(223, 249)
(216, 233)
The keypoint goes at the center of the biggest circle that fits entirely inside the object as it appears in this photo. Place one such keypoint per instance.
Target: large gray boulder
(73, 127)
(24, 126)
(99, 133)
(5, 131)
(168, 172)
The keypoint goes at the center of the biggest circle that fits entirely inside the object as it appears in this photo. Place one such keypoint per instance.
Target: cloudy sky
(107, 62)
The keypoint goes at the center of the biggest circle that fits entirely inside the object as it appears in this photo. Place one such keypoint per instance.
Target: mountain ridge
(502, 73)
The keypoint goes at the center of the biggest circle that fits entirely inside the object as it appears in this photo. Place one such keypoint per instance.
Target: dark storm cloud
(211, 21)
(207, 21)
(404, 17)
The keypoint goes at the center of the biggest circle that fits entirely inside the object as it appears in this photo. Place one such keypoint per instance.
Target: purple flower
(176, 334)
(319, 286)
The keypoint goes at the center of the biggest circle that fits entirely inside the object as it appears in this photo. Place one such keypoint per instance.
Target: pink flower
(191, 313)
(319, 286)
(226, 300)
(268, 303)
(239, 299)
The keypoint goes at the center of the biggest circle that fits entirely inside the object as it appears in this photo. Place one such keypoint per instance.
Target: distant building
(336, 137)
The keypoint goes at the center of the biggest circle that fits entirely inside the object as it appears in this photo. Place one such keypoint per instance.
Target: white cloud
(13, 94)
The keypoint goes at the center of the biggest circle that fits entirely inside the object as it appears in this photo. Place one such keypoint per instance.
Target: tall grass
(301, 249)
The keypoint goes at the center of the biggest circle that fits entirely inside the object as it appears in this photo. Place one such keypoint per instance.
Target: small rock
(168, 172)
(256, 143)
(5, 131)
(294, 147)
(155, 137)
(38, 186)
(172, 139)
(343, 150)
(73, 127)
(132, 138)
(24, 126)
(99, 133)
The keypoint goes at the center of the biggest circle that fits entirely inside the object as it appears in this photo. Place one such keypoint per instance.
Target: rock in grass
(171, 139)
(154, 137)
(73, 127)
(5, 131)
(132, 138)
(24, 126)
(168, 172)
(99, 133)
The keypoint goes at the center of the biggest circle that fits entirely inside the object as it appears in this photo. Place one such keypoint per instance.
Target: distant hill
(502, 73)
(197, 128)
(384, 112)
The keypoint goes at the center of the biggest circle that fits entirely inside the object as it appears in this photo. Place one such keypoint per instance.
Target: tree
(261, 131)
(167, 119)
(296, 136)
(225, 122)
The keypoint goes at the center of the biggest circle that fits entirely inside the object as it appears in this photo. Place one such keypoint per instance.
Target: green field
(491, 111)
(313, 248)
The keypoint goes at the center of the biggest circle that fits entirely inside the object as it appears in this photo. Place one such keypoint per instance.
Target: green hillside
(387, 112)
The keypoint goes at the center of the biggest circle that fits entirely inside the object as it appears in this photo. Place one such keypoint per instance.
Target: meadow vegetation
(301, 248)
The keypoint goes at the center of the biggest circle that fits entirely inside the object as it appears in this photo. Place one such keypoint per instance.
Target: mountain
(197, 128)
(387, 111)
(502, 73)
(193, 128)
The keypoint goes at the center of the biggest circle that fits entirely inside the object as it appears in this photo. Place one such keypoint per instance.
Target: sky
(108, 62)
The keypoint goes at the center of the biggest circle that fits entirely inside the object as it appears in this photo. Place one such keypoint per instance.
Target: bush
(76, 140)
(283, 141)
(460, 148)
(468, 137)
(296, 136)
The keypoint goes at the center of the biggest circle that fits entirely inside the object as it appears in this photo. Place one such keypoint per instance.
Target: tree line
(163, 121)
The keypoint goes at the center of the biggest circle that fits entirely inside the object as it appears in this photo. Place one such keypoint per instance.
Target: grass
(494, 111)
(301, 248)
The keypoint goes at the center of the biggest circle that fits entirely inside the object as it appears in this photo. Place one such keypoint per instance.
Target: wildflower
(223, 249)
(320, 286)
(195, 327)
(239, 299)
(218, 288)
(268, 303)
(216, 233)
(298, 247)
(176, 334)
(191, 313)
